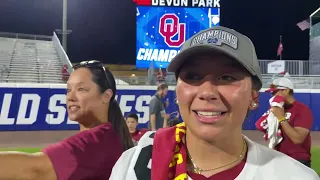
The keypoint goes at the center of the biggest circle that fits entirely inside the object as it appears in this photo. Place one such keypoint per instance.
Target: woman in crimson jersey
(218, 82)
(92, 152)
(295, 122)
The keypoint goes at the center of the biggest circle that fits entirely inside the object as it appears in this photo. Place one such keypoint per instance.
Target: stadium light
(64, 32)
(64, 24)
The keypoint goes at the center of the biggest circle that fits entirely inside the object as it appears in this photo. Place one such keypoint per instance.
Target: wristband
(280, 120)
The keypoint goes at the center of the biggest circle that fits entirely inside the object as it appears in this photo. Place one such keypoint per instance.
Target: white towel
(274, 133)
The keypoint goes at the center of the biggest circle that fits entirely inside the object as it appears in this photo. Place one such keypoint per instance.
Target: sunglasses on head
(93, 64)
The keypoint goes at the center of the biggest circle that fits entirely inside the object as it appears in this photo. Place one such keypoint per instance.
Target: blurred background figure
(295, 121)
(65, 73)
(4, 69)
(132, 123)
(161, 75)
(158, 116)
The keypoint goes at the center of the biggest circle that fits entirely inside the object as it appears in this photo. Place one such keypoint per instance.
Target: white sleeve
(121, 168)
(135, 163)
(315, 176)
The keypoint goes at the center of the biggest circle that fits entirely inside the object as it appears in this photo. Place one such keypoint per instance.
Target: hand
(278, 112)
(167, 116)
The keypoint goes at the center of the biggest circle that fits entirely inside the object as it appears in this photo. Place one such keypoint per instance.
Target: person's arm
(296, 134)
(301, 127)
(262, 124)
(24, 166)
(153, 111)
(165, 123)
(165, 120)
(153, 122)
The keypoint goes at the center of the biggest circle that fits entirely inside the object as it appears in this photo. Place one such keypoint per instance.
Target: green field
(315, 151)
(27, 150)
(315, 162)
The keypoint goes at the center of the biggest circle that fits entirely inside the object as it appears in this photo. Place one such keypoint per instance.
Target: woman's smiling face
(214, 94)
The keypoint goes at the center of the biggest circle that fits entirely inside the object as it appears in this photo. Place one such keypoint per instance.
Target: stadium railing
(301, 82)
(294, 67)
(25, 36)
(61, 53)
(299, 72)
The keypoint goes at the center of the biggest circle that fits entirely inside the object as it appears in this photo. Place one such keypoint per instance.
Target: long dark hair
(105, 80)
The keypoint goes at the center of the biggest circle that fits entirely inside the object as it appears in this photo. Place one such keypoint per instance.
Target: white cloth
(274, 136)
(262, 163)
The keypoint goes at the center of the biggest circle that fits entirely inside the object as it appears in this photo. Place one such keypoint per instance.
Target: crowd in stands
(4, 69)
(161, 75)
(65, 73)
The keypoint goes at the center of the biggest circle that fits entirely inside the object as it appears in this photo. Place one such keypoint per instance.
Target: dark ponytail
(119, 124)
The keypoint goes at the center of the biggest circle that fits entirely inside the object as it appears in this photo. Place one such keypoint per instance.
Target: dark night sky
(105, 29)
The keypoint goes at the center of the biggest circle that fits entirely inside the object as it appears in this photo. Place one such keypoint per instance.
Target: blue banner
(34, 107)
(162, 30)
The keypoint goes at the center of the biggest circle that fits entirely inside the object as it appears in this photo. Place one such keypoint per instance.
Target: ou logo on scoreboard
(169, 27)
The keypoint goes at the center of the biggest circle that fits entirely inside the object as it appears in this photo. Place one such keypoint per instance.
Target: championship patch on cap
(216, 37)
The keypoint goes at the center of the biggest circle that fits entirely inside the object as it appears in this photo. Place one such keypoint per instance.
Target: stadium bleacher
(29, 61)
(39, 59)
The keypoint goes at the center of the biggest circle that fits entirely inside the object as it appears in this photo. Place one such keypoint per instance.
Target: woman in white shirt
(218, 79)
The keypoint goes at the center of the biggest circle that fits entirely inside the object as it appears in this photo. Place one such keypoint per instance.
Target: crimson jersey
(90, 154)
(138, 134)
(298, 115)
(261, 163)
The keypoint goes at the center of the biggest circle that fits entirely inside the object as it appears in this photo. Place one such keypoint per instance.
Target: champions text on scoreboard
(161, 31)
(164, 25)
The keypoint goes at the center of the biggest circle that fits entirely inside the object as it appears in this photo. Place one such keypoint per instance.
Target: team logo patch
(169, 27)
(217, 37)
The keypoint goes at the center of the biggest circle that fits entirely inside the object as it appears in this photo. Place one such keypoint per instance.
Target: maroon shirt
(90, 154)
(138, 134)
(299, 115)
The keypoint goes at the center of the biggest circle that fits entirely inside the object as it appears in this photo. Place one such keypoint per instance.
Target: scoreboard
(162, 26)
(179, 3)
